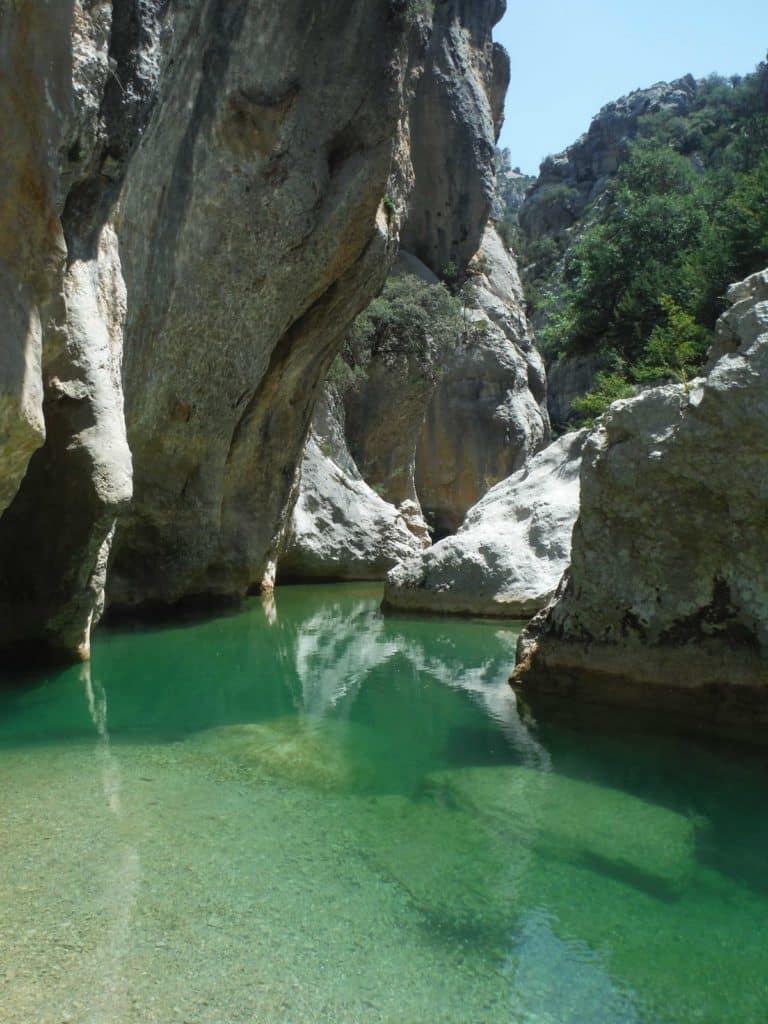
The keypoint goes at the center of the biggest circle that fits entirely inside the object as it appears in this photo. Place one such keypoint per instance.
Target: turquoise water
(310, 813)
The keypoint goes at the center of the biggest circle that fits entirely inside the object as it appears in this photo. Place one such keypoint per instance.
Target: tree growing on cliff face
(642, 249)
(641, 280)
(408, 328)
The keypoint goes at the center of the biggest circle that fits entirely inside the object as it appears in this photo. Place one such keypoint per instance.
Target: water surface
(310, 813)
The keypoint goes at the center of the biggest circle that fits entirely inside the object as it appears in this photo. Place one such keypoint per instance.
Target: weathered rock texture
(455, 120)
(510, 553)
(667, 604)
(569, 181)
(68, 130)
(253, 233)
(384, 413)
(250, 146)
(488, 413)
(340, 528)
(567, 380)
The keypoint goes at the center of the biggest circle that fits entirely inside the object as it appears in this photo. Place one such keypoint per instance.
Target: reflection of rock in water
(488, 684)
(334, 651)
(109, 988)
(557, 981)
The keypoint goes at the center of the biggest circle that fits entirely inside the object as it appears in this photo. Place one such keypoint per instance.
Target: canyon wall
(206, 194)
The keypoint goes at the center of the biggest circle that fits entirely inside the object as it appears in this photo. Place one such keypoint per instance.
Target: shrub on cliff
(645, 273)
(409, 328)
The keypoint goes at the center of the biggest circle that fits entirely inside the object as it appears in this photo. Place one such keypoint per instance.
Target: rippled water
(309, 813)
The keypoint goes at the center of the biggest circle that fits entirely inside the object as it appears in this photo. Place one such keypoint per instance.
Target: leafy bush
(609, 388)
(410, 326)
(676, 348)
(645, 279)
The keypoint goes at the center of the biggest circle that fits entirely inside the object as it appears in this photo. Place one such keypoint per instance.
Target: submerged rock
(300, 751)
(512, 549)
(666, 606)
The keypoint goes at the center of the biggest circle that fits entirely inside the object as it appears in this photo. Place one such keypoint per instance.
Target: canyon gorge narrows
(201, 199)
(334, 418)
(214, 197)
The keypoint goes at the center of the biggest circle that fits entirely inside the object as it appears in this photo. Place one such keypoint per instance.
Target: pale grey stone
(510, 552)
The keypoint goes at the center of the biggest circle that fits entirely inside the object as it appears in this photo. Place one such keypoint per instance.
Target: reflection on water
(309, 812)
(108, 986)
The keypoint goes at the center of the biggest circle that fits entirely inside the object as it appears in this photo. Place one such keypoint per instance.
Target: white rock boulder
(512, 549)
(341, 529)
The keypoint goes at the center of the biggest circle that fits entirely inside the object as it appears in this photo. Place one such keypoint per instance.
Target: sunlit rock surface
(569, 181)
(666, 605)
(340, 527)
(511, 550)
(253, 233)
(201, 185)
(76, 85)
(488, 414)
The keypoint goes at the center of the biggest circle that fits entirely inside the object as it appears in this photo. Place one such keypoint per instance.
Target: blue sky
(568, 59)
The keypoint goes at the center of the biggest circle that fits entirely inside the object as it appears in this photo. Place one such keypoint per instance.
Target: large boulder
(666, 606)
(340, 529)
(510, 553)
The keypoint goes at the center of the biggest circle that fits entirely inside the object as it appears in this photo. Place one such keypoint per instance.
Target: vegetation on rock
(408, 328)
(640, 280)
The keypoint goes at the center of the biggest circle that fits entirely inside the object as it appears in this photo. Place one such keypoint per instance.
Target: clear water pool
(310, 813)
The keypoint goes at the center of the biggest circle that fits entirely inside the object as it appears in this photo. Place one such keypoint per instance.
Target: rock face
(441, 435)
(251, 147)
(456, 118)
(341, 529)
(488, 413)
(666, 605)
(568, 195)
(253, 233)
(77, 86)
(385, 412)
(569, 181)
(510, 553)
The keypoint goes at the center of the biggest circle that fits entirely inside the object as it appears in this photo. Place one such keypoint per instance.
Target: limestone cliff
(570, 181)
(567, 197)
(78, 82)
(456, 118)
(202, 185)
(666, 603)
(340, 528)
(488, 413)
(253, 232)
